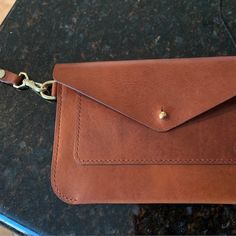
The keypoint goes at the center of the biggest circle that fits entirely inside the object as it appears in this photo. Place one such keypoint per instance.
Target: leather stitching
(79, 116)
(137, 161)
(167, 161)
(62, 196)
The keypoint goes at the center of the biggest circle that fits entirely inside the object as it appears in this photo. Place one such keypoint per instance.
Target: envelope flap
(141, 89)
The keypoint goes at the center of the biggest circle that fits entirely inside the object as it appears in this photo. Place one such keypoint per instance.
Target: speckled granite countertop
(38, 34)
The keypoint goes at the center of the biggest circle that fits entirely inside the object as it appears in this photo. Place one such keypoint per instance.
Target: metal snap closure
(2, 73)
(163, 115)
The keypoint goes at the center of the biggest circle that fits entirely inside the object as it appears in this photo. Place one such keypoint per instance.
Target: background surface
(37, 35)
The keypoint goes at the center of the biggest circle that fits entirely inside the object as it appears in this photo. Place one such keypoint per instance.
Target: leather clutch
(144, 131)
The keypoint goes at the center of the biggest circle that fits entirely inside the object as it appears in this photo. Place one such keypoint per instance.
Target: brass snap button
(2, 73)
(163, 115)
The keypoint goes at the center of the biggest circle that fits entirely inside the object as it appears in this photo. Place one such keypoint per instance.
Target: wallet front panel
(121, 182)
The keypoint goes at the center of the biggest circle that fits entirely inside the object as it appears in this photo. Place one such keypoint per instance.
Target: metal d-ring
(44, 88)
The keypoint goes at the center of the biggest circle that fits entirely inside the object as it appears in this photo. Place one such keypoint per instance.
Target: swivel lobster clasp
(27, 83)
(40, 88)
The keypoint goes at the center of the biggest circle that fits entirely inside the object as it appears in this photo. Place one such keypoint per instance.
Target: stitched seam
(137, 161)
(63, 196)
(229, 161)
(79, 116)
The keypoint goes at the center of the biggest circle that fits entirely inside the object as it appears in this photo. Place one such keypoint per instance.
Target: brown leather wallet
(146, 131)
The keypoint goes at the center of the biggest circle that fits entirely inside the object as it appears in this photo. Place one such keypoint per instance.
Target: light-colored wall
(6, 232)
(5, 6)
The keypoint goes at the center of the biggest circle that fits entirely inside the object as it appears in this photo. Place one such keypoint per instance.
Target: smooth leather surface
(139, 89)
(101, 155)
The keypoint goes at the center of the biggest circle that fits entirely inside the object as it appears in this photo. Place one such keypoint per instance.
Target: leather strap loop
(8, 77)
